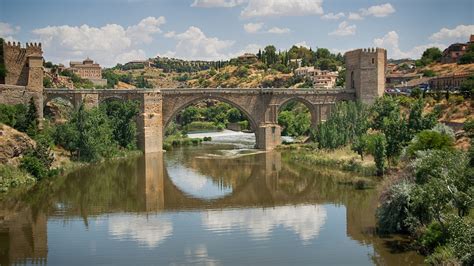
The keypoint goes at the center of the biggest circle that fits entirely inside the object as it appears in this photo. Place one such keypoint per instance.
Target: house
(449, 82)
(89, 70)
(322, 79)
(455, 51)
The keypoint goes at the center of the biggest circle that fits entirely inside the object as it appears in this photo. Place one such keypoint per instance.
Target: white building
(322, 79)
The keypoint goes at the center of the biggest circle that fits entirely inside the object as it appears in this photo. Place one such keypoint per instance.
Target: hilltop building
(137, 64)
(322, 79)
(455, 51)
(87, 69)
(247, 58)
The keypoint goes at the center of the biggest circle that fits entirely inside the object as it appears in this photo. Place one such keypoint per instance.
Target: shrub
(444, 129)
(394, 213)
(442, 255)
(11, 177)
(432, 237)
(379, 153)
(430, 140)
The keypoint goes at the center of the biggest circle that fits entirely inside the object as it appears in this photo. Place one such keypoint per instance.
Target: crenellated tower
(365, 73)
(24, 67)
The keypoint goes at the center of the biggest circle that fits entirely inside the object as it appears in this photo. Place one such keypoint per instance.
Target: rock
(13, 144)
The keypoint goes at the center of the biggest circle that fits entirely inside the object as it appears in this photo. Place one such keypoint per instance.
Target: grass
(179, 140)
(343, 159)
(12, 177)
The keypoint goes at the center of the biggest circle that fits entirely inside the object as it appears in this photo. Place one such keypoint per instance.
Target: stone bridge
(365, 81)
(158, 107)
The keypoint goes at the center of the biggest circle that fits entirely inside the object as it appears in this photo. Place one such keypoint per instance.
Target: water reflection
(147, 231)
(144, 204)
(305, 221)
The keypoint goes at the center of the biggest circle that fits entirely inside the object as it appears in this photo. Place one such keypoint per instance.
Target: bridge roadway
(158, 107)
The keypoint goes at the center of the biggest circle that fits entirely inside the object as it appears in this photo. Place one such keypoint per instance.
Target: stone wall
(24, 75)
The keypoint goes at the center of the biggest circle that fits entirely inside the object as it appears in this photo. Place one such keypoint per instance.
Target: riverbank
(342, 159)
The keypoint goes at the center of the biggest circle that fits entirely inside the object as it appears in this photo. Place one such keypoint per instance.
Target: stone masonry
(365, 81)
(365, 73)
(24, 68)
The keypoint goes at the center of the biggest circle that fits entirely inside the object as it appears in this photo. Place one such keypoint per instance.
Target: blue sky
(112, 31)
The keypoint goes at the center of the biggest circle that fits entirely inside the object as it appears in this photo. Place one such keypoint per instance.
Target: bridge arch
(314, 109)
(172, 113)
(109, 98)
(52, 97)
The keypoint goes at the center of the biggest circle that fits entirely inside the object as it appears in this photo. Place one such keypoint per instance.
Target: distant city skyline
(112, 32)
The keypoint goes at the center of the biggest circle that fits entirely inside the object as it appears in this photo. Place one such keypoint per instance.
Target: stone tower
(365, 73)
(24, 69)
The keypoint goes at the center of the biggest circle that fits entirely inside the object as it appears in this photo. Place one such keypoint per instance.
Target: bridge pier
(150, 123)
(268, 136)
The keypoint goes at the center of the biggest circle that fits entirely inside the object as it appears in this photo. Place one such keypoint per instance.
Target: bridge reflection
(264, 188)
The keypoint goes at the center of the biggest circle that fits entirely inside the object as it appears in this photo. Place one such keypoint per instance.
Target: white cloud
(266, 8)
(217, 3)
(355, 16)
(378, 11)
(344, 29)
(277, 30)
(460, 33)
(332, 16)
(194, 44)
(302, 44)
(107, 45)
(253, 27)
(7, 31)
(149, 231)
(142, 32)
(250, 48)
(391, 40)
(305, 221)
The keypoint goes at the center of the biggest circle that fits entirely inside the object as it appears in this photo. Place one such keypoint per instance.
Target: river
(220, 203)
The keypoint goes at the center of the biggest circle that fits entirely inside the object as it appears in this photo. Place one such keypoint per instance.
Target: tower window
(373, 60)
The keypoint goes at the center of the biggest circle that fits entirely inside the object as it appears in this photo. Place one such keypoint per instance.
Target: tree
(38, 161)
(468, 57)
(431, 55)
(359, 145)
(270, 55)
(121, 116)
(467, 86)
(380, 153)
(430, 140)
(234, 115)
(30, 125)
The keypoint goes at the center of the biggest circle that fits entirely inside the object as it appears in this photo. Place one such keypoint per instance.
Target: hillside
(242, 76)
(446, 69)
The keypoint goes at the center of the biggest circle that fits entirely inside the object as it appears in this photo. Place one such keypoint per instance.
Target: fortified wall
(24, 74)
(365, 73)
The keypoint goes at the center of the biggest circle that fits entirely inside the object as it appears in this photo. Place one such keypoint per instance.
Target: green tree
(38, 161)
(234, 115)
(380, 153)
(430, 140)
(431, 55)
(467, 86)
(31, 119)
(468, 57)
(270, 55)
(121, 116)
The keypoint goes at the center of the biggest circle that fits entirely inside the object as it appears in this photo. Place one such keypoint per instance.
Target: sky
(117, 31)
